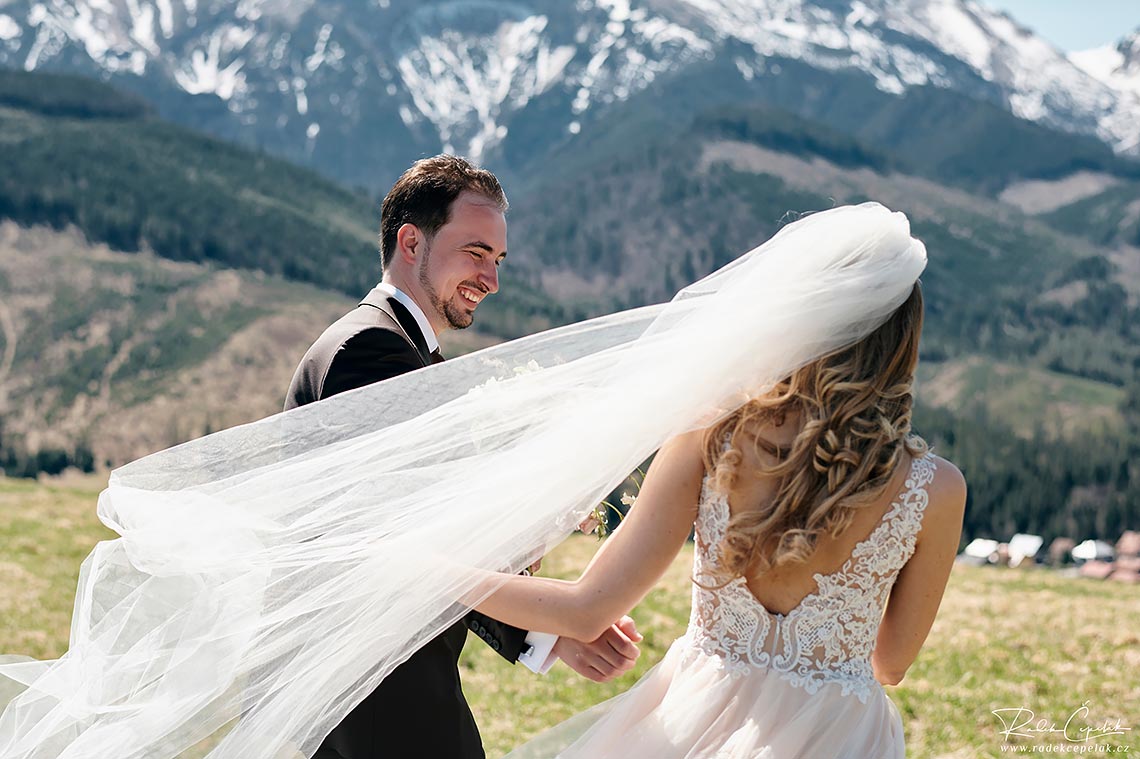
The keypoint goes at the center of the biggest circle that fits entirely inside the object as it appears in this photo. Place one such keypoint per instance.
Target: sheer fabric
(267, 577)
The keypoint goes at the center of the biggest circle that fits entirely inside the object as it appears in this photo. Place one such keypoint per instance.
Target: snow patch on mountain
(142, 26)
(106, 36)
(214, 65)
(463, 69)
(1118, 68)
(165, 18)
(627, 52)
(9, 29)
(904, 43)
(1100, 62)
(1117, 65)
(321, 50)
(463, 83)
(826, 38)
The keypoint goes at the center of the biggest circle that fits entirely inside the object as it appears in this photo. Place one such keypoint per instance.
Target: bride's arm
(918, 590)
(629, 563)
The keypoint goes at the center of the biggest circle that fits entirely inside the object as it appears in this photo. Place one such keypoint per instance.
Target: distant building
(1094, 550)
(979, 551)
(1129, 544)
(1061, 551)
(1096, 559)
(1096, 569)
(1024, 548)
(1101, 561)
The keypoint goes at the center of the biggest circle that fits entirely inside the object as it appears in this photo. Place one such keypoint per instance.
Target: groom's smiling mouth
(471, 295)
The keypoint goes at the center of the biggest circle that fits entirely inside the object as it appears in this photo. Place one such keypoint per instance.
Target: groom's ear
(409, 241)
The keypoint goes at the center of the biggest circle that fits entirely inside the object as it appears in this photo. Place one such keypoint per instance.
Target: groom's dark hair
(424, 193)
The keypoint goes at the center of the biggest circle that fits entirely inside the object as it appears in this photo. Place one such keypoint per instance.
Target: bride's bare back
(918, 590)
(782, 588)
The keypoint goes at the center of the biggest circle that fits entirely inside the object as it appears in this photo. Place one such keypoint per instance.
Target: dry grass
(155, 352)
(1004, 639)
(134, 353)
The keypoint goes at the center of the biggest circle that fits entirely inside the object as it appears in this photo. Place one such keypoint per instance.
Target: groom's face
(461, 264)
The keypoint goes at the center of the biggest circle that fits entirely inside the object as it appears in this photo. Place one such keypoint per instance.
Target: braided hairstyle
(855, 409)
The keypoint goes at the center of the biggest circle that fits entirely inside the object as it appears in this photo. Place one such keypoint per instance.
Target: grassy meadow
(1004, 639)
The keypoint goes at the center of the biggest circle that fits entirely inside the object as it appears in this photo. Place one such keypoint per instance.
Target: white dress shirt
(414, 308)
(538, 653)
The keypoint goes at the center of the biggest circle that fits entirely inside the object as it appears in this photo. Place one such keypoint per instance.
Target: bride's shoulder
(948, 479)
(685, 454)
(946, 494)
(689, 446)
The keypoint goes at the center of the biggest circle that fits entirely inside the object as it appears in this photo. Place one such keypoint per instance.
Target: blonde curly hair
(854, 406)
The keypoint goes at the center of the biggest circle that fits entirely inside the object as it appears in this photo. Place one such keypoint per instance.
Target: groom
(443, 235)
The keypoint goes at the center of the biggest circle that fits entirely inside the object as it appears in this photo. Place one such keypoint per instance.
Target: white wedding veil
(267, 577)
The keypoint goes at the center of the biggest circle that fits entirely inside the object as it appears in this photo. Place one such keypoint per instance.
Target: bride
(812, 505)
(269, 576)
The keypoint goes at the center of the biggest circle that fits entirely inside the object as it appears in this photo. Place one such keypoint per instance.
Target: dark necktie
(436, 356)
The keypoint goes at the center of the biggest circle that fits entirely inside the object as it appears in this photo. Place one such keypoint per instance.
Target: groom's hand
(614, 652)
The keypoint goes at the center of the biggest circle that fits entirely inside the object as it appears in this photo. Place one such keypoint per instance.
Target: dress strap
(901, 524)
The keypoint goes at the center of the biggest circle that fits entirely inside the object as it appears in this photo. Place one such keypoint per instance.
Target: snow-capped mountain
(356, 86)
(1118, 67)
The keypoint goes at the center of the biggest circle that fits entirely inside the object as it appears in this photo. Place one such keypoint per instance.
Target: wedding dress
(746, 683)
(269, 576)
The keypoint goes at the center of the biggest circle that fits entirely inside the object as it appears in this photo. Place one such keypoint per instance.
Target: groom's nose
(489, 276)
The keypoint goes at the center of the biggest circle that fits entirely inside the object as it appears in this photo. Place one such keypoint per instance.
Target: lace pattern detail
(829, 636)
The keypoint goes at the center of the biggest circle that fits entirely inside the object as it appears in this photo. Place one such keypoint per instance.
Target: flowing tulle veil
(267, 577)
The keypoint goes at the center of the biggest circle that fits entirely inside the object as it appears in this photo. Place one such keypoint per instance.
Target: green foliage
(928, 131)
(186, 338)
(985, 148)
(647, 217)
(787, 133)
(141, 183)
(65, 95)
(984, 280)
(671, 215)
(1091, 269)
(1106, 218)
(984, 286)
(17, 461)
(1081, 487)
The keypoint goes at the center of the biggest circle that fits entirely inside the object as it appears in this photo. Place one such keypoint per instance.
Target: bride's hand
(612, 654)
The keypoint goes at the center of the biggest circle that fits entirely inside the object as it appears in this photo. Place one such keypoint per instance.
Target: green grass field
(1004, 639)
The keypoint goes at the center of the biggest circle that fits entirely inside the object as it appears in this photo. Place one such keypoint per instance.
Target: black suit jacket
(419, 709)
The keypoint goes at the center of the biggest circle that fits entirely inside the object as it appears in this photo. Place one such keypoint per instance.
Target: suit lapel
(411, 328)
(403, 318)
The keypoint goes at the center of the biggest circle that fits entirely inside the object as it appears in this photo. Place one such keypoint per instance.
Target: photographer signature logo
(1021, 722)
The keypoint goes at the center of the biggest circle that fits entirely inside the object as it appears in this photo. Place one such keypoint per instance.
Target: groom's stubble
(456, 315)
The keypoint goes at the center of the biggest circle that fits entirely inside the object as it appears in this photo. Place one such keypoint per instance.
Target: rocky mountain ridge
(353, 88)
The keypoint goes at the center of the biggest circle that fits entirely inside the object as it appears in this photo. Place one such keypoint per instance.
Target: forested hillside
(79, 153)
(1048, 439)
(1032, 346)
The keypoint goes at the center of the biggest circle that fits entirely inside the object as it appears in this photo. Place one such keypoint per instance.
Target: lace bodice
(830, 635)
